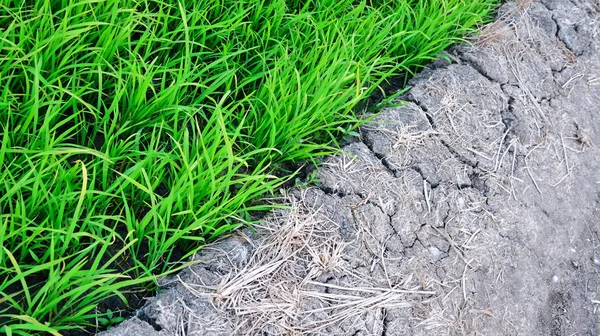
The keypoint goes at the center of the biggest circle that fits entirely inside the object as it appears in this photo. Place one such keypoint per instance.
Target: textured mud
(472, 210)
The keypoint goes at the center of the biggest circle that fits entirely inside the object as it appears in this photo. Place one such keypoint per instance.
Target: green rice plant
(133, 132)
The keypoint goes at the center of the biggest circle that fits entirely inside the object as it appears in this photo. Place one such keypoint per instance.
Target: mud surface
(472, 210)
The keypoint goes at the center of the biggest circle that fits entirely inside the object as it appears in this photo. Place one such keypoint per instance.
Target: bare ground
(472, 210)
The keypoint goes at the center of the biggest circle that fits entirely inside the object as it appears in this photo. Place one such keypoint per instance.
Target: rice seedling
(134, 131)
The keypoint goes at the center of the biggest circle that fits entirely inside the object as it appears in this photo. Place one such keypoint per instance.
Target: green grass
(132, 132)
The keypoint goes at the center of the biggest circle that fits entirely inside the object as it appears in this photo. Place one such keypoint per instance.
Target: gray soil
(474, 209)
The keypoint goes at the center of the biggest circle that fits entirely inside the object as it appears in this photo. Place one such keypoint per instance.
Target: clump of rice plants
(134, 131)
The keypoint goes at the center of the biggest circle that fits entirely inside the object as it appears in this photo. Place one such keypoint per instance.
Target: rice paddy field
(132, 132)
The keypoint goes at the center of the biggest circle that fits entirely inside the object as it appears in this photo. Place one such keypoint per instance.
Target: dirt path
(472, 210)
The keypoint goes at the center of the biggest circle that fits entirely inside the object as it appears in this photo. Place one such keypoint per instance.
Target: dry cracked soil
(473, 209)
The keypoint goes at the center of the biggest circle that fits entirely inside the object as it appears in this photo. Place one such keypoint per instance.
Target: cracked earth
(473, 209)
